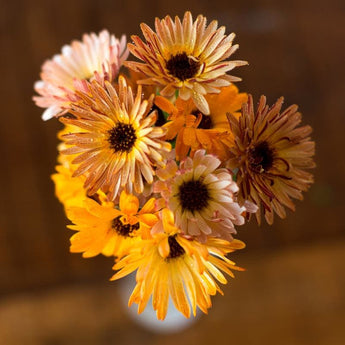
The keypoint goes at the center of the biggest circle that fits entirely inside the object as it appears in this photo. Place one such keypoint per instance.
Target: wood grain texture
(292, 296)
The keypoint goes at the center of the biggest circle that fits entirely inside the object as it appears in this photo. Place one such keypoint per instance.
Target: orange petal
(189, 136)
(149, 207)
(203, 138)
(181, 148)
(164, 104)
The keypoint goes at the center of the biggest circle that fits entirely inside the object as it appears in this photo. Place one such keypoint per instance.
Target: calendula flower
(101, 228)
(67, 188)
(117, 145)
(101, 53)
(271, 153)
(172, 265)
(186, 56)
(194, 130)
(201, 196)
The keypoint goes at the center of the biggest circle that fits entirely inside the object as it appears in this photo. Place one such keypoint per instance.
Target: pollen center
(206, 121)
(175, 248)
(122, 137)
(124, 230)
(182, 67)
(193, 195)
(261, 157)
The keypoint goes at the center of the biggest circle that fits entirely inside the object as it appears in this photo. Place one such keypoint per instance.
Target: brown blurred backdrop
(294, 289)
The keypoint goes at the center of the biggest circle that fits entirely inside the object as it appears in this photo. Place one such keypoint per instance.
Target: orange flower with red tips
(194, 130)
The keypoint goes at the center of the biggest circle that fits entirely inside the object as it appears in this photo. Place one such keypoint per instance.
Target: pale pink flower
(102, 53)
(201, 195)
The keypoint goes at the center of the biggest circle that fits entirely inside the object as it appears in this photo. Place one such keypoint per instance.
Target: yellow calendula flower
(101, 228)
(68, 189)
(170, 264)
(194, 130)
(187, 56)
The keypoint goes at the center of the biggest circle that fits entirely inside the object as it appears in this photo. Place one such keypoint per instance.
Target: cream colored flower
(186, 56)
(202, 196)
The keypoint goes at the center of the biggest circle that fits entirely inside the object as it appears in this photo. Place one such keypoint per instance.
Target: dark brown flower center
(193, 195)
(122, 137)
(182, 67)
(160, 116)
(124, 230)
(206, 121)
(261, 157)
(96, 198)
(175, 248)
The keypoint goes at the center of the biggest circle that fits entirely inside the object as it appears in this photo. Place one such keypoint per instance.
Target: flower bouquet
(160, 158)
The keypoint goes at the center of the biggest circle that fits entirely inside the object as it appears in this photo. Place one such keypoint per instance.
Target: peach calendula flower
(271, 154)
(186, 56)
(117, 145)
(194, 130)
(101, 228)
(102, 53)
(202, 197)
(171, 265)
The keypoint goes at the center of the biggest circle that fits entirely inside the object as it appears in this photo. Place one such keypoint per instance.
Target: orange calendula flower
(107, 230)
(186, 56)
(271, 154)
(172, 265)
(101, 53)
(194, 130)
(117, 146)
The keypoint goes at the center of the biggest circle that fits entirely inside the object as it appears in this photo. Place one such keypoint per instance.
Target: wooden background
(294, 289)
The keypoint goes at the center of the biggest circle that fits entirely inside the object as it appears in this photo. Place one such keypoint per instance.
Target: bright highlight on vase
(161, 160)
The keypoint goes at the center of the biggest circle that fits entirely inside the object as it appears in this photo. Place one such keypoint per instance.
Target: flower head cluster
(202, 196)
(172, 264)
(158, 166)
(187, 56)
(271, 154)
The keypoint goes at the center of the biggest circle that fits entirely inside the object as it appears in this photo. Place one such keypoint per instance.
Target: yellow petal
(149, 207)
(148, 218)
(129, 204)
(164, 248)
